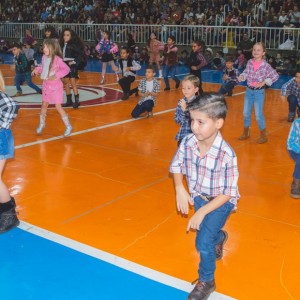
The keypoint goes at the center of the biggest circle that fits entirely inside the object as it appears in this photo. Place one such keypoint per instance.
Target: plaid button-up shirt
(8, 110)
(291, 88)
(214, 174)
(182, 118)
(143, 89)
(264, 73)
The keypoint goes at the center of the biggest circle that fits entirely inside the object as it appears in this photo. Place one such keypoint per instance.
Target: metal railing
(213, 36)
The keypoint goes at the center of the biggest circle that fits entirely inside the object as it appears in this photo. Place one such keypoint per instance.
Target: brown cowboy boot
(295, 189)
(263, 137)
(246, 134)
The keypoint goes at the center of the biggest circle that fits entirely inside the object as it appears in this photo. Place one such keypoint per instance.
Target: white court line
(115, 260)
(87, 130)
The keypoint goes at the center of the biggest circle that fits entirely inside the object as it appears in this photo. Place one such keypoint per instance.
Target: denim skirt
(6, 144)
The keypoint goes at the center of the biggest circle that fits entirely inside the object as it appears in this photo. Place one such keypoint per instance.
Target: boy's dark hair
(126, 49)
(172, 37)
(229, 58)
(17, 45)
(213, 104)
(151, 67)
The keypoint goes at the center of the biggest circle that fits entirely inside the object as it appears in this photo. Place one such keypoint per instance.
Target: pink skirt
(53, 91)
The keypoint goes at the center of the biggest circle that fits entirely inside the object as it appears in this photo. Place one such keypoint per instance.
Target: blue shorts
(6, 144)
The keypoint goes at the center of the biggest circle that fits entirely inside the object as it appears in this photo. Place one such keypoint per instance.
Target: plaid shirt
(143, 86)
(291, 88)
(182, 118)
(293, 142)
(264, 73)
(8, 110)
(214, 174)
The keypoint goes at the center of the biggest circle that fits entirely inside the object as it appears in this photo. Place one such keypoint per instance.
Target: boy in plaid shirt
(190, 86)
(291, 90)
(210, 167)
(230, 75)
(148, 89)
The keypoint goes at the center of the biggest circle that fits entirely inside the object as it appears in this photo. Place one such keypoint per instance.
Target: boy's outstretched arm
(183, 198)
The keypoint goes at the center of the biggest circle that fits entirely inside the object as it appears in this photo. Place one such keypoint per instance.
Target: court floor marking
(115, 260)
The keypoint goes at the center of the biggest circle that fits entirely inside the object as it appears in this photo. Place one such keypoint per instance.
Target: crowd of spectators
(185, 12)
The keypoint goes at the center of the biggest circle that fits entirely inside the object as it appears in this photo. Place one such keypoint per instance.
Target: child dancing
(52, 70)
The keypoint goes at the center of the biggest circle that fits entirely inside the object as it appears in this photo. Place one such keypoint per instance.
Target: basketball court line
(115, 260)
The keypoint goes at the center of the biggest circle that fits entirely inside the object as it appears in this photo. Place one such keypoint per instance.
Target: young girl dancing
(8, 112)
(52, 70)
(258, 74)
(73, 52)
(106, 48)
(154, 46)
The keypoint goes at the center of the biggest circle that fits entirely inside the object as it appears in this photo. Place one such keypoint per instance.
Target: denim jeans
(254, 98)
(6, 144)
(227, 87)
(293, 103)
(296, 157)
(141, 108)
(209, 235)
(21, 77)
(169, 70)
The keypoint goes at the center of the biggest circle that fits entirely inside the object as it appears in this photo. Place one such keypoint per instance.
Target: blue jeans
(227, 87)
(6, 144)
(293, 104)
(296, 157)
(141, 108)
(254, 98)
(209, 235)
(170, 70)
(21, 77)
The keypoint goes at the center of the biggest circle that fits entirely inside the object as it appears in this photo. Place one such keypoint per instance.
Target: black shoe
(125, 96)
(202, 290)
(177, 85)
(166, 89)
(137, 92)
(9, 219)
(219, 247)
(291, 117)
(69, 101)
(76, 103)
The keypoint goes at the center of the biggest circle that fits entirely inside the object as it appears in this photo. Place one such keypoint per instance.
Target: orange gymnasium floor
(108, 186)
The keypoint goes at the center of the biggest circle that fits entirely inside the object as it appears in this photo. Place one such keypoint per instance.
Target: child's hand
(225, 77)
(193, 68)
(127, 69)
(115, 69)
(196, 220)
(241, 78)
(183, 199)
(34, 72)
(182, 104)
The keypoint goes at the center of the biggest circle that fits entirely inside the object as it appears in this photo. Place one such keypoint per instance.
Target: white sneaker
(102, 80)
(117, 78)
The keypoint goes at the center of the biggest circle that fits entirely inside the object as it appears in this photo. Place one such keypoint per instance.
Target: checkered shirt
(143, 89)
(291, 88)
(182, 118)
(214, 174)
(293, 142)
(264, 73)
(8, 110)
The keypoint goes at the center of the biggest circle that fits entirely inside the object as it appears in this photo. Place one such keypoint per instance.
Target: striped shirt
(264, 73)
(293, 142)
(182, 118)
(214, 174)
(8, 110)
(291, 88)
